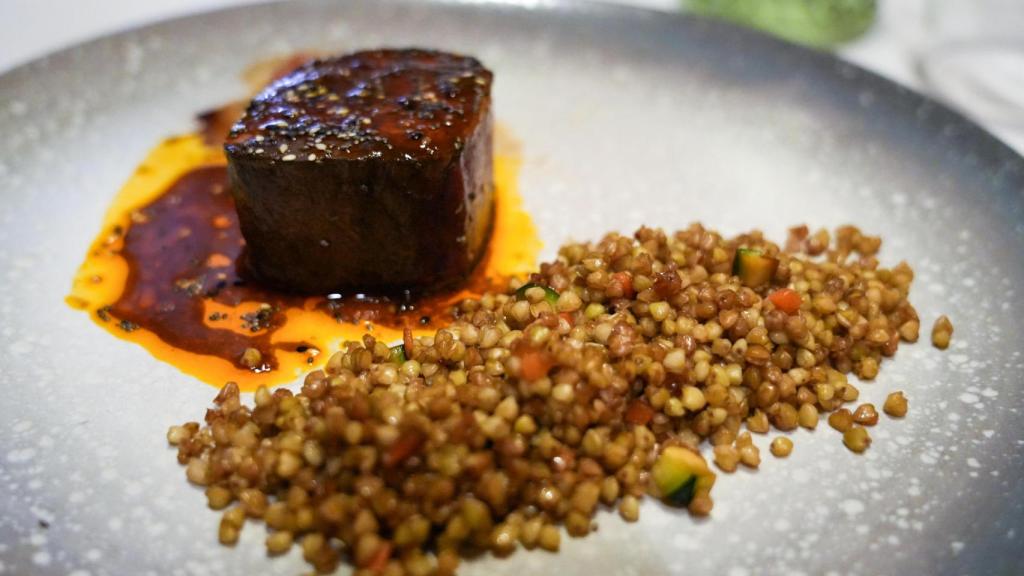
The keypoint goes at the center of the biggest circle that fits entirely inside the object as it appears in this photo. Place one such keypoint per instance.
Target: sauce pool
(164, 273)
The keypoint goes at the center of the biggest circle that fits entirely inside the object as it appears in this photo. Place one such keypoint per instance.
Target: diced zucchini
(683, 495)
(679, 474)
(549, 294)
(753, 268)
(398, 354)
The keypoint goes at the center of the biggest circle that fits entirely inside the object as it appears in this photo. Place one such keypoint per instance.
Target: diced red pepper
(534, 363)
(567, 317)
(626, 281)
(786, 299)
(639, 412)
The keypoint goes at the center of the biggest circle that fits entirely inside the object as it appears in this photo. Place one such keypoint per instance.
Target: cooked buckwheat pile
(590, 384)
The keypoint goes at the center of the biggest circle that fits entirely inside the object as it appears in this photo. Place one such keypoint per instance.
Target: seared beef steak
(368, 171)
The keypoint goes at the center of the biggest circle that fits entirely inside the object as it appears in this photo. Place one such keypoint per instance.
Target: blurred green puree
(817, 23)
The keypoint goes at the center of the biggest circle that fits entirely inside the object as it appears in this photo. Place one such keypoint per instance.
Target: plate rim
(999, 150)
(970, 137)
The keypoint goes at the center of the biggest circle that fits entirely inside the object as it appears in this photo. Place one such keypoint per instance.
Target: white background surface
(32, 28)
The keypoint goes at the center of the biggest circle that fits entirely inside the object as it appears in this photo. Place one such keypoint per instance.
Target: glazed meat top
(381, 104)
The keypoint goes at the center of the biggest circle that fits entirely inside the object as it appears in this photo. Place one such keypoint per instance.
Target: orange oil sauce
(162, 274)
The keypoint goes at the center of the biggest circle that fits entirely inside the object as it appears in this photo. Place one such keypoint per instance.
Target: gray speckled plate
(627, 117)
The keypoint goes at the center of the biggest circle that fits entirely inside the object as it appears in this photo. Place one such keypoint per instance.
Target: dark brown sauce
(183, 251)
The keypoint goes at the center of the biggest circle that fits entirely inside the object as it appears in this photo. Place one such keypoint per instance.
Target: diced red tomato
(786, 299)
(567, 317)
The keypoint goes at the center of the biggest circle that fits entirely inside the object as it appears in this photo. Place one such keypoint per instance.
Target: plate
(626, 117)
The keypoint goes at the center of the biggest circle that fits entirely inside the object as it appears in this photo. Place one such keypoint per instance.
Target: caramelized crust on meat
(367, 171)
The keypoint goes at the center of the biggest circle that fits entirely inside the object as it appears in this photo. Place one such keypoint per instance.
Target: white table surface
(32, 28)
